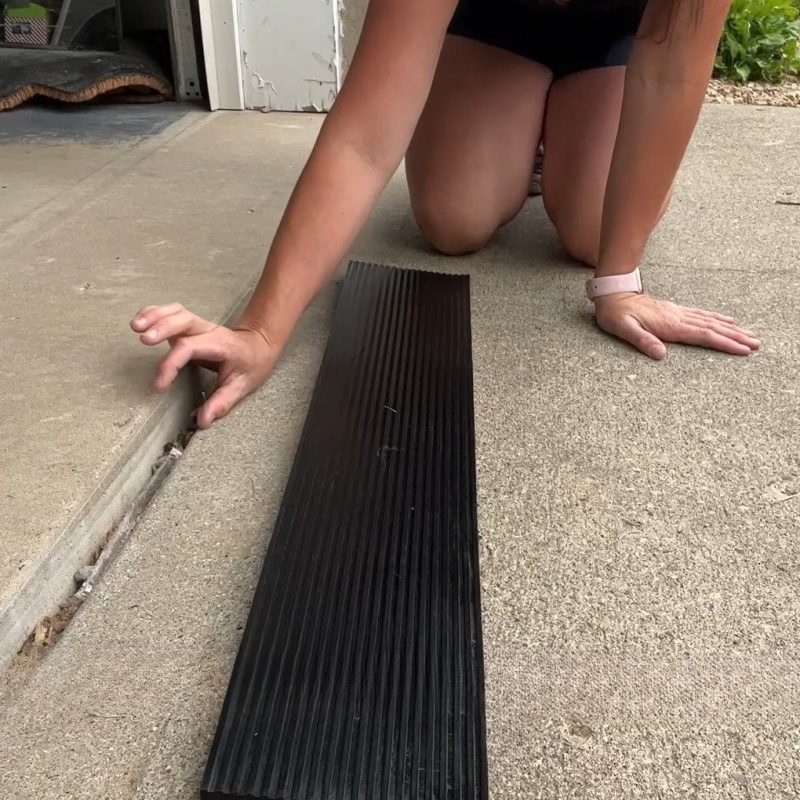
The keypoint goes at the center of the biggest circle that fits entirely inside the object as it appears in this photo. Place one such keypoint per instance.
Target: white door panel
(219, 26)
(290, 53)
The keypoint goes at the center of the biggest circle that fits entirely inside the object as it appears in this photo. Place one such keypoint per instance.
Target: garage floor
(640, 535)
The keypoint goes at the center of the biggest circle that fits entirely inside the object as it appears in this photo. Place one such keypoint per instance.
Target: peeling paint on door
(290, 53)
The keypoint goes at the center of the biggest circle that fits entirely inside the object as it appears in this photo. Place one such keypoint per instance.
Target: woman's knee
(452, 228)
(579, 233)
(581, 242)
(579, 227)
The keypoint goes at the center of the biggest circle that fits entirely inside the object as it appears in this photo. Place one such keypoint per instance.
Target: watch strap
(613, 284)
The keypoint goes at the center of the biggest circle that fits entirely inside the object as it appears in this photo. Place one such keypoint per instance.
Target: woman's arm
(665, 87)
(362, 141)
(359, 147)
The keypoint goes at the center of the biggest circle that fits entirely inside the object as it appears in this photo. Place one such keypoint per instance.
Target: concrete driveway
(639, 521)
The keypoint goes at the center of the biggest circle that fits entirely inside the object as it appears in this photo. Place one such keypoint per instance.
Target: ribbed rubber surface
(360, 673)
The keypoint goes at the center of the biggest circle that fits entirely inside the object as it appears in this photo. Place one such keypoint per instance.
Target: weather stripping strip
(360, 672)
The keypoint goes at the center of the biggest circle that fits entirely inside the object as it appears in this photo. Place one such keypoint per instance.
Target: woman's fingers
(648, 324)
(724, 328)
(158, 324)
(224, 398)
(712, 314)
(704, 319)
(196, 348)
(147, 316)
(238, 358)
(181, 323)
(632, 332)
(738, 335)
(706, 337)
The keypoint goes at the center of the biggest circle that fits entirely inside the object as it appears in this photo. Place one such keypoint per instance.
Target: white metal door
(287, 53)
(290, 53)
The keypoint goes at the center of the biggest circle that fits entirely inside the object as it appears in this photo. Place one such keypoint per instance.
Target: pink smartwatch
(614, 284)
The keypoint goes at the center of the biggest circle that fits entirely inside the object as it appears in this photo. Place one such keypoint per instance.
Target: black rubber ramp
(360, 672)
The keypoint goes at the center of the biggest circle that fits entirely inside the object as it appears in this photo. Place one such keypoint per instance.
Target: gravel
(754, 94)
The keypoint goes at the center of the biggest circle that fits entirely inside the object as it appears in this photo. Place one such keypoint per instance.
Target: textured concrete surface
(640, 547)
(186, 213)
(96, 124)
(127, 702)
(47, 151)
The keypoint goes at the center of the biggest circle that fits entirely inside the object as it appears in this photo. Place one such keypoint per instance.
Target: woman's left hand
(648, 324)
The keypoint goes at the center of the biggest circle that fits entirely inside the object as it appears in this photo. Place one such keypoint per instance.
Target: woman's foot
(536, 176)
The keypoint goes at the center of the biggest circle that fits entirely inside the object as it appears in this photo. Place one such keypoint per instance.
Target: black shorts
(565, 38)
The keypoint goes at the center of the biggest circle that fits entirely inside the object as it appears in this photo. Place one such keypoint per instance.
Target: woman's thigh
(581, 122)
(470, 159)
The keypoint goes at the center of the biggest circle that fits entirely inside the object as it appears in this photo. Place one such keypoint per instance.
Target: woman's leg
(470, 160)
(581, 123)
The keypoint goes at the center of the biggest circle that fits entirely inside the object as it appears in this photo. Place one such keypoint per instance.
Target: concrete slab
(181, 214)
(110, 124)
(48, 150)
(639, 545)
(725, 215)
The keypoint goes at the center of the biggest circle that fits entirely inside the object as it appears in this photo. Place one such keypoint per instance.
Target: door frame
(219, 24)
(229, 72)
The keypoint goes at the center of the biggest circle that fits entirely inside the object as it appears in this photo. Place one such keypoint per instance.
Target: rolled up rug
(78, 76)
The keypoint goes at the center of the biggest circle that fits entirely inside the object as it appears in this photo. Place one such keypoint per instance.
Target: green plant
(760, 41)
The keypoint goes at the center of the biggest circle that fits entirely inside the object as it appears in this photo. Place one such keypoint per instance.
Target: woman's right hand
(242, 357)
